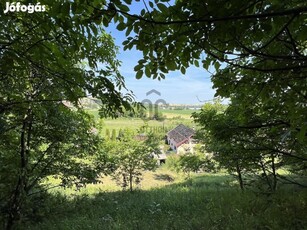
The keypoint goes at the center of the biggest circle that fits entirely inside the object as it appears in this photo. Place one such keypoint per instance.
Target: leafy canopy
(48, 61)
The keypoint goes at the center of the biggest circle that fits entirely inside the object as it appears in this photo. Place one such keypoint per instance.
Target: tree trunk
(274, 185)
(130, 181)
(266, 175)
(16, 200)
(240, 179)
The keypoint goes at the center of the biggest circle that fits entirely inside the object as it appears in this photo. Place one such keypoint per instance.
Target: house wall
(172, 144)
(175, 146)
(186, 148)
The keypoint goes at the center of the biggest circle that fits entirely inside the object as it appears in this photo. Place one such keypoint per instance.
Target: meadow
(137, 123)
(178, 113)
(173, 118)
(167, 200)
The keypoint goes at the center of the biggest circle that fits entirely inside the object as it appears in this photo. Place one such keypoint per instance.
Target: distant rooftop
(180, 133)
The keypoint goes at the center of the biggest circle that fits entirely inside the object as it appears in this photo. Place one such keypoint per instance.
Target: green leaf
(162, 7)
(217, 65)
(206, 63)
(196, 63)
(94, 29)
(138, 67)
(139, 74)
(105, 21)
(171, 65)
(74, 7)
(66, 8)
(147, 71)
(121, 26)
(128, 31)
(302, 133)
(183, 70)
(123, 8)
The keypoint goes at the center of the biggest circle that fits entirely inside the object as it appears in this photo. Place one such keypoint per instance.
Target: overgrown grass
(203, 202)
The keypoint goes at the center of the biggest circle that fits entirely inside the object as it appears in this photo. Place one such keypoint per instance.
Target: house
(179, 136)
(160, 156)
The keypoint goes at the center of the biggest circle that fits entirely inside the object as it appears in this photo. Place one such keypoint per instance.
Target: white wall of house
(175, 146)
(172, 144)
(186, 148)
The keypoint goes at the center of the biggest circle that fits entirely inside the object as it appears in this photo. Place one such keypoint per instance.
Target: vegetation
(196, 162)
(42, 73)
(246, 151)
(205, 201)
(140, 125)
(129, 158)
(265, 126)
(50, 61)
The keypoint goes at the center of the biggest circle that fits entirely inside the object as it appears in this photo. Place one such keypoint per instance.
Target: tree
(241, 150)
(159, 116)
(194, 162)
(48, 61)
(113, 136)
(130, 158)
(107, 135)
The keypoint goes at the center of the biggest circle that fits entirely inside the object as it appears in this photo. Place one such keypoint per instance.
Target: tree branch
(264, 16)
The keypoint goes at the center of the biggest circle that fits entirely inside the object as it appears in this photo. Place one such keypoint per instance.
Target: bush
(171, 162)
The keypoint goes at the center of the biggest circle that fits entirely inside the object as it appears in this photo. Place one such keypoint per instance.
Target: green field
(176, 113)
(174, 118)
(206, 201)
(169, 113)
(136, 123)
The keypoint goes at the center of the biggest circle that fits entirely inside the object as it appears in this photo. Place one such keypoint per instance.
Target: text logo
(153, 108)
(18, 7)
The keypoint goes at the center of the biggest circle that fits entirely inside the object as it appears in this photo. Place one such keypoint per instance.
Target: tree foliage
(48, 61)
(129, 157)
(245, 151)
(195, 162)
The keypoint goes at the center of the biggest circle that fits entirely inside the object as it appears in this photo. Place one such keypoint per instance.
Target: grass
(169, 113)
(203, 202)
(183, 113)
(137, 123)
(160, 178)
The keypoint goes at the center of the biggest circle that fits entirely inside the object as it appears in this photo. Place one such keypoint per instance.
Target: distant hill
(90, 103)
(93, 103)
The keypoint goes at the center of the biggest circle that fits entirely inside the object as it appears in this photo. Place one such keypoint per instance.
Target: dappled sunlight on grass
(205, 201)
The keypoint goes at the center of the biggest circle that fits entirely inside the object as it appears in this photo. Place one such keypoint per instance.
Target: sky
(194, 87)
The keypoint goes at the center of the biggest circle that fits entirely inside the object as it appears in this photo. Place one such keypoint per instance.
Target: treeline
(143, 112)
(113, 134)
